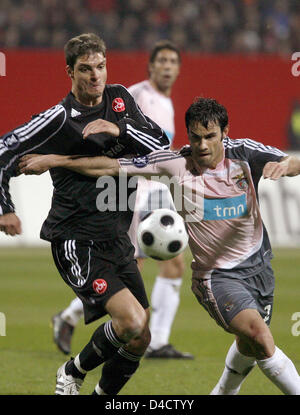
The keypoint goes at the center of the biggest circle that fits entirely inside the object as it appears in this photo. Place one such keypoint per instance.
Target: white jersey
(219, 205)
(160, 109)
(155, 105)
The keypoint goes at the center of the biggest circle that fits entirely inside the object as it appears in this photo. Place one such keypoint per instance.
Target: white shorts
(150, 195)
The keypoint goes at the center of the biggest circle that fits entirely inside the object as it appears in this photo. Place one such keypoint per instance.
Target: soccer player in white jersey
(232, 274)
(154, 98)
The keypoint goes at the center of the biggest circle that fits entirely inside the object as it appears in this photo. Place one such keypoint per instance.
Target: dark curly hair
(206, 110)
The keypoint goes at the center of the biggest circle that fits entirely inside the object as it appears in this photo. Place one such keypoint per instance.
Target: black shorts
(96, 270)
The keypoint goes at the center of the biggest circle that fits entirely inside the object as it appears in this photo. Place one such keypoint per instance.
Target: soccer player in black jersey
(90, 247)
(153, 97)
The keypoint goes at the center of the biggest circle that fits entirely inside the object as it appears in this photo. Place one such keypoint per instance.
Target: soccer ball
(162, 234)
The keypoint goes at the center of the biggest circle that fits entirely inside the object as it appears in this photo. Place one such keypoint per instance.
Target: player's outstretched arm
(288, 166)
(155, 164)
(35, 134)
(88, 166)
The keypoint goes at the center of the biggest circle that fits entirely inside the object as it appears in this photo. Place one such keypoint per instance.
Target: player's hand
(35, 163)
(274, 170)
(10, 224)
(101, 126)
(185, 150)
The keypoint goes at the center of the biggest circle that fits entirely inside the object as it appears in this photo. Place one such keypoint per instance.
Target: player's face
(164, 70)
(89, 78)
(206, 143)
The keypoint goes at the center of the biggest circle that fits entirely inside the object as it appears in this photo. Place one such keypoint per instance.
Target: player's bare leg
(167, 285)
(110, 343)
(129, 319)
(255, 343)
(140, 263)
(64, 322)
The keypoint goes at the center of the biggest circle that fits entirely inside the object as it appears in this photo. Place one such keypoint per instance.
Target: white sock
(99, 391)
(78, 366)
(74, 312)
(237, 367)
(282, 372)
(164, 301)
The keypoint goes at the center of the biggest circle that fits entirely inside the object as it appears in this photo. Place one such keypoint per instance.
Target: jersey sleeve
(140, 134)
(259, 154)
(158, 163)
(27, 138)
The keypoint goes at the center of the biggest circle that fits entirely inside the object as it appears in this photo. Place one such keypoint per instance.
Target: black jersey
(74, 214)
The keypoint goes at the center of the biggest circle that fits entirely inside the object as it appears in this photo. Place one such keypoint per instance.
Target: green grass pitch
(32, 291)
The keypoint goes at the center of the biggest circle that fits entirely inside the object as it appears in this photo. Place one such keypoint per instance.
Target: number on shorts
(268, 310)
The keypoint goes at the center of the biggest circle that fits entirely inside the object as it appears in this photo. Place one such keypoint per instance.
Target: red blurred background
(258, 91)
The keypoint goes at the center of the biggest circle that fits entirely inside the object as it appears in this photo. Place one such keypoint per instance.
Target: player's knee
(142, 342)
(138, 345)
(244, 347)
(261, 342)
(133, 325)
(146, 337)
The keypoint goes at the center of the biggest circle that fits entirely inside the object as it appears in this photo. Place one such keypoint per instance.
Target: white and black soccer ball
(162, 234)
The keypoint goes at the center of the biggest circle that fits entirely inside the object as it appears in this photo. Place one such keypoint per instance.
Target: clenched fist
(10, 224)
(101, 126)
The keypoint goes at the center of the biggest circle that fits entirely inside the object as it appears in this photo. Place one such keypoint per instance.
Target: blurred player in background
(153, 97)
(232, 274)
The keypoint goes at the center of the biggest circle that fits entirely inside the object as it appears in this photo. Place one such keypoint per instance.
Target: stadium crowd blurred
(208, 26)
